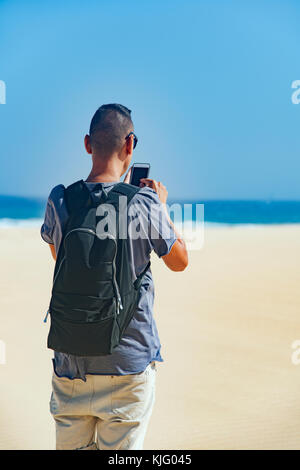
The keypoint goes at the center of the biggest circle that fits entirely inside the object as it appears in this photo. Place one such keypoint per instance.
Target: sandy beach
(235, 309)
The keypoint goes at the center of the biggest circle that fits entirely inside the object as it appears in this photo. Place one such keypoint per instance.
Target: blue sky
(208, 82)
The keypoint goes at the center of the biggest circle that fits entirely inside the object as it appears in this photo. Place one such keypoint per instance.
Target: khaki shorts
(106, 412)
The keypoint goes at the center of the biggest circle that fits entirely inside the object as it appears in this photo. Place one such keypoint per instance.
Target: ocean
(30, 211)
(16, 210)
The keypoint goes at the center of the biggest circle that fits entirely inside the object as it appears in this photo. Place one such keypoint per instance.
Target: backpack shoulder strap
(137, 283)
(77, 195)
(125, 189)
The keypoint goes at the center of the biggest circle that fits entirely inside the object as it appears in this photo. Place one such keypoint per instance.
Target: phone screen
(139, 172)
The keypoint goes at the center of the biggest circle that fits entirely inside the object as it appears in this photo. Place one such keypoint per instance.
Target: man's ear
(87, 143)
(129, 145)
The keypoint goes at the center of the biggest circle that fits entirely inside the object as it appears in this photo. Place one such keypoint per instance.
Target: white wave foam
(8, 223)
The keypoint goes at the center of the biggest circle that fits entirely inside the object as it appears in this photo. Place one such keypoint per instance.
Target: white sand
(226, 325)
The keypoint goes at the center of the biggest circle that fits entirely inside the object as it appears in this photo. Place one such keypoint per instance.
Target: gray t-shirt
(140, 343)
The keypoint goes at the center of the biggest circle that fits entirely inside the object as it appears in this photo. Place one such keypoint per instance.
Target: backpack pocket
(85, 332)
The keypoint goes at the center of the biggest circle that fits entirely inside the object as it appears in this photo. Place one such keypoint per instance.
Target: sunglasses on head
(135, 139)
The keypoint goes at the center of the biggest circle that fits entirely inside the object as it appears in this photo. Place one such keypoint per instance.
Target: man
(105, 402)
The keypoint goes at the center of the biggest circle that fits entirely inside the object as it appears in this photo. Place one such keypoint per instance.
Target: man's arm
(177, 259)
(52, 249)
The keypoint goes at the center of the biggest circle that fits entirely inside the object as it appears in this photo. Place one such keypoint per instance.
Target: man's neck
(104, 172)
(102, 178)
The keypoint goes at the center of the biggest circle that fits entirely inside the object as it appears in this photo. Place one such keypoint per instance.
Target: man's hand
(158, 187)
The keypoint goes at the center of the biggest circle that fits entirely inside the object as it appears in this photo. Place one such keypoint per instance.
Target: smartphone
(138, 171)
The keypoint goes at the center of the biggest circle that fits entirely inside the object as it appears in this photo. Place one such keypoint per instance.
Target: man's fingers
(158, 187)
(148, 182)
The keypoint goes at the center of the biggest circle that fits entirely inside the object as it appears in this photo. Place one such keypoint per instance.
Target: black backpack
(93, 295)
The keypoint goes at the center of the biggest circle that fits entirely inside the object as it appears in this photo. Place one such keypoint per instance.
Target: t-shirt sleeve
(160, 231)
(49, 223)
(56, 215)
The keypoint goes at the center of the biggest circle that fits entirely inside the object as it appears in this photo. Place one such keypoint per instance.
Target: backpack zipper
(117, 291)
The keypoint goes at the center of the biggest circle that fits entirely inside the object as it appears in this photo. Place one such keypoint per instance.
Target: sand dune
(226, 325)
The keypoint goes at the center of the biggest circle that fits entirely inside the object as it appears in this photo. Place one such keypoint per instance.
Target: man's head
(109, 127)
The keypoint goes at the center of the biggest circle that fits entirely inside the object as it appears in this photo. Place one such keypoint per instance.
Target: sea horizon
(29, 211)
